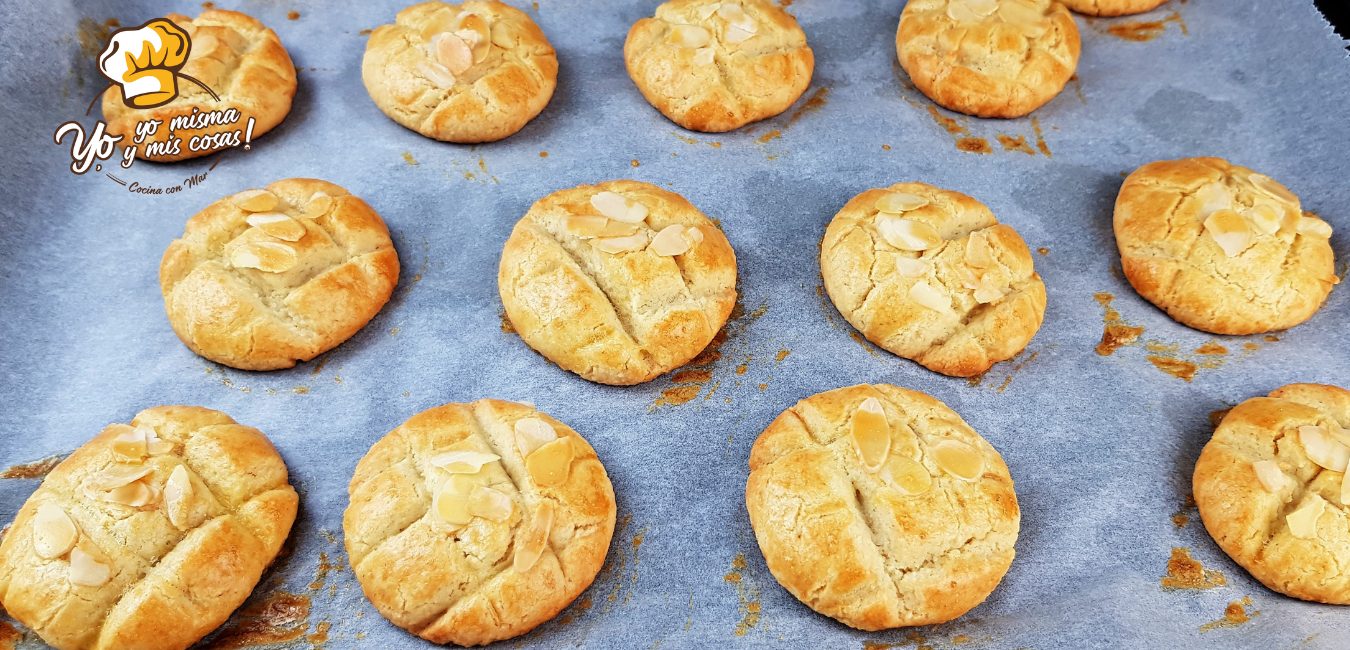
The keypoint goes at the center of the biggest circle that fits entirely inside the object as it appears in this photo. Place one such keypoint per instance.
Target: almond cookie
(472, 72)
(1221, 248)
(930, 274)
(473, 523)
(990, 58)
(1271, 489)
(617, 282)
(717, 66)
(149, 535)
(879, 507)
(267, 277)
(1111, 7)
(240, 60)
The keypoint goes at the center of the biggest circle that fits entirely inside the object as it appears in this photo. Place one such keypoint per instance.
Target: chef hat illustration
(145, 61)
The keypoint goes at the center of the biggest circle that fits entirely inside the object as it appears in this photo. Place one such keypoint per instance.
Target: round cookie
(149, 535)
(264, 278)
(473, 72)
(717, 66)
(879, 507)
(1221, 248)
(1111, 7)
(1271, 489)
(989, 58)
(617, 282)
(934, 278)
(473, 523)
(236, 56)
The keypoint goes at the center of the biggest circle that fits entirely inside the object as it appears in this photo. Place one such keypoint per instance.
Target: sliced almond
(533, 433)
(504, 36)
(117, 476)
(451, 507)
(1314, 227)
(907, 234)
(706, 11)
(900, 202)
(1273, 188)
(440, 21)
(271, 257)
(490, 504)
(533, 537)
(619, 229)
(1020, 13)
(961, 12)
(1271, 476)
(704, 56)
(550, 464)
(871, 434)
(907, 475)
(689, 36)
(203, 46)
(178, 497)
(1213, 197)
(983, 7)
(463, 462)
(615, 245)
(1303, 522)
(585, 226)
(670, 241)
(989, 289)
(926, 295)
(959, 459)
(131, 447)
(318, 205)
(481, 38)
(619, 207)
(133, 495)
(736, 16)
(1264, 217)
(255, 200)
(1323, 449)
(437, 74)
(979, 254)
(85, 571)
(452, 52)
(54, 534)
(735, 35)
(909, 267)
(278, 225)
(694, 234)
(1337, 433)
(1230, 231)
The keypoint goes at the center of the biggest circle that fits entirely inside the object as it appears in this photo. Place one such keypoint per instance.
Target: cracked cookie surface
(149, 535)
(919, 542)
(617, 299)
(452, 576)
(1260, 521)
(240, 59)
(1111, 7)
(468, 73)
(1221, 248)
(989, 58)
(264, 278)
(934, 278)
(716, 66)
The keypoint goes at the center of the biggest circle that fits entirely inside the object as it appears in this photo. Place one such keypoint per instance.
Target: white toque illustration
(144, 61)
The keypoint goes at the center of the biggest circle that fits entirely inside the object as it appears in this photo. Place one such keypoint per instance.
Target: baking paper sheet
(1101, 448)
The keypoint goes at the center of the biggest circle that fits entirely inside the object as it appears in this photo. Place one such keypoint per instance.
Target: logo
(146, 62)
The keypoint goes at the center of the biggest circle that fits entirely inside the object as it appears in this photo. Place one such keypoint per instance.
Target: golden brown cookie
(990, 58)
(149, 535)
(1222, 248)
(717, 66)
(617, 282)
(239, 59)
(1111, 7)
(930, 274)
(1271, 489)
(264, 278)
(472, 72)
(879, 507)
(473, 523)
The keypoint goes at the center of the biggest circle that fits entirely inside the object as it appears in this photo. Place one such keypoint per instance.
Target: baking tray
(1101, 447)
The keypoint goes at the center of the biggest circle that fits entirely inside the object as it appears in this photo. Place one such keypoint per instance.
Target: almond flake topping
(706, 11)
(1323, 449)
(704, 56)
(907, 475)
(1230, 231)
(440, 21)
(871, 434)
(271, 257)
(451, 503)
(474, 30)
(909, 267)
(989, 290)
(533, 433)
(133, 495)
(1314, 227)
(255, 200)
(203, 46)
(670, 241)
(959, 459)
(926, 295)
(1265, 217)
(463, 462)
(1273, 188)
(690, 36)
(533, 537)
(452, 52)
(1271, 476)
(735, 35)
(900, 202)
(278, 225)
(319, 202)
(117, 476)
(1213, 197)
(907, 234)
(695, 234)
(437, 74)
(503, 36)
(85, 571)
(1017, 12)
(550, 464)
(737, 18)
(584, 226)
(616, 245)
(489, 503)
(178, 497)
(979, 254)
(131, 447)
(1303, 522)
(619, 207)
(962, 11)
(54, 534)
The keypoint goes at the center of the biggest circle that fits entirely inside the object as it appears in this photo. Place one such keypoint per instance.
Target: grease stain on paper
(1185, 572)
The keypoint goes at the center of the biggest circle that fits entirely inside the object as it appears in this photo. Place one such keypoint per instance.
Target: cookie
(879, 507)
(472, 72)
(1111, 7)
(149, 535)
(1271, 489)
(473, 523)
(930, 274)
(1221, 248)
(240, 60)
(989, 58)
(264, 278)
(617, 282)
(717, 66)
